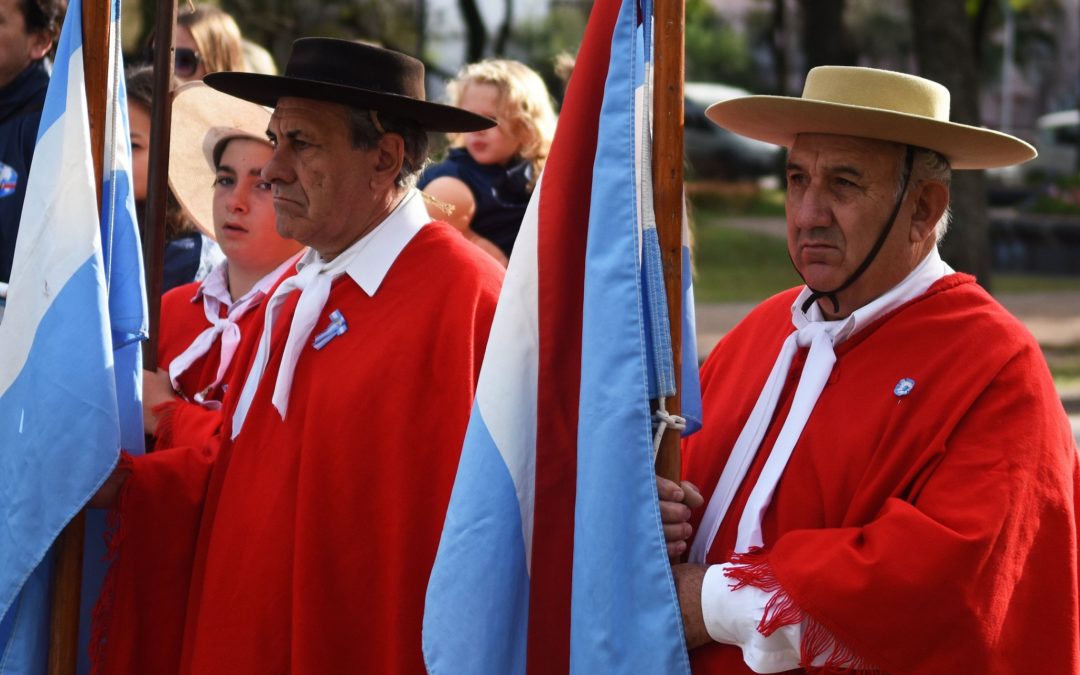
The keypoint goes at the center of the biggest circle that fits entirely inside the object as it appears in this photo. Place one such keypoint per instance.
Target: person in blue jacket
(28, 30)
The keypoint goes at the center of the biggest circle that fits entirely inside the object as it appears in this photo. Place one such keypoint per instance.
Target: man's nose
(278, 169)
(809, 209)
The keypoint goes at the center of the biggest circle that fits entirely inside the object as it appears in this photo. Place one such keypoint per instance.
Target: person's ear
(40, 43)
(930, 203)
(389, 158)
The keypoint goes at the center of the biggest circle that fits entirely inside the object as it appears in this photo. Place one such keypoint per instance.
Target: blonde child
(488, 176)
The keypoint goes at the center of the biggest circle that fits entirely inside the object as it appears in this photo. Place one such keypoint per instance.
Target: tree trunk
(826, 41)
(502, 38)
(945, 53)
(777, 45)
(421, 28)
(475, 33)
(979, 22)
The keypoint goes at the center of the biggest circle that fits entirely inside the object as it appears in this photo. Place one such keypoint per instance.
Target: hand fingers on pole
(669, 490)
(675, 549)
(693, 497)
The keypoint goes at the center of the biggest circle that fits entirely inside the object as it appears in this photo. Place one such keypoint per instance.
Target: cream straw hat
(202, 118)
(871, 103)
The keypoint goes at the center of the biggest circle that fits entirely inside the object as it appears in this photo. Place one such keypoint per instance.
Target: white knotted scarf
(811, 330)
(214, 294)
(367, 261)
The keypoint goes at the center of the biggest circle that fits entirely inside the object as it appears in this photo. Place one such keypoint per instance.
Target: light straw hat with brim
(871, 103)
(202, 120)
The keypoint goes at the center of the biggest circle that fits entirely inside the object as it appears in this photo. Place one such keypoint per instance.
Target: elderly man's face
(841, 192)
(322, 185)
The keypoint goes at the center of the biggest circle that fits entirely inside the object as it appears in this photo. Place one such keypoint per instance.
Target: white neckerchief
(820, 336)
(367, 261)
(214, 293)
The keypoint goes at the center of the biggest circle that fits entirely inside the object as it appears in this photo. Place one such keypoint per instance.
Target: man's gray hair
(929, 165)
(365, 134)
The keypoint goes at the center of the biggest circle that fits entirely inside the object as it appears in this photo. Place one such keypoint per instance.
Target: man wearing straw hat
(302, 540)
(890, 478)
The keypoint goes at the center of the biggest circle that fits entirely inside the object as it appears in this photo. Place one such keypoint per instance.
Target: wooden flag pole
(158, 174)
(67, 575)
(668, 197)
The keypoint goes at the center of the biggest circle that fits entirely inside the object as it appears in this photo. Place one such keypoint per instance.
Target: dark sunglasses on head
(185, 63)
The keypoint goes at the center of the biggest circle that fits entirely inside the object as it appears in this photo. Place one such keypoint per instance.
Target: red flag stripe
(563, 227)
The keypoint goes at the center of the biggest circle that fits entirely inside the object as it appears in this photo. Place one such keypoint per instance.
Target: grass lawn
(1033, 283)
(736, 266)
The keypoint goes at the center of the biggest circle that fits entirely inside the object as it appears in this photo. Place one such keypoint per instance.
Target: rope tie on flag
(663, 420)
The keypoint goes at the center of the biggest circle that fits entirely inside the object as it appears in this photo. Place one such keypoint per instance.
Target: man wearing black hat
(303, 539)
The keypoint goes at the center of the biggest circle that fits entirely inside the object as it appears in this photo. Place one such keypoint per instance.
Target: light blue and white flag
(71, 303)
(552, 558)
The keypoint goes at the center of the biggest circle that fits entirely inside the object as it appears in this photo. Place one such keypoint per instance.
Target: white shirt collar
(216, 284)
(917, 282)
(369, 259)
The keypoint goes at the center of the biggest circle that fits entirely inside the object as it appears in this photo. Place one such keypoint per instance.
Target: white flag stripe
(506, 394)
(66, 140)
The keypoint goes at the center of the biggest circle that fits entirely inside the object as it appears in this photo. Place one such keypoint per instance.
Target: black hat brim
(267, 89)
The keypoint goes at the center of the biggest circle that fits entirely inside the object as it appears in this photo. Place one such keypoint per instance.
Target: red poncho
(933, 532)
(305, 545)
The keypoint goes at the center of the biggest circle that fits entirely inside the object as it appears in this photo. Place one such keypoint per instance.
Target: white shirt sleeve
(732, 617)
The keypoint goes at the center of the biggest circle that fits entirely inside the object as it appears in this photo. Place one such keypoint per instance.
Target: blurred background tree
(1006, 62)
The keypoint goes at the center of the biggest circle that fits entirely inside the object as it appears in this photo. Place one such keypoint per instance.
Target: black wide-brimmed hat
(354, 74)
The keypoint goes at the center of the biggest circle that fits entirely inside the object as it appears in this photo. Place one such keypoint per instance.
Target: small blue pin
(337, 327)
(904, 387)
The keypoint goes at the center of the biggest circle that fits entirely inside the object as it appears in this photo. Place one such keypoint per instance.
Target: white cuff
(732, 617)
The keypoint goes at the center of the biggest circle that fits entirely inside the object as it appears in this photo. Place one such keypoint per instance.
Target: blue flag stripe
(624, 615)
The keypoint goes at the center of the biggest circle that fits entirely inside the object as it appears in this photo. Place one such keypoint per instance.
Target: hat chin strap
(816, 294)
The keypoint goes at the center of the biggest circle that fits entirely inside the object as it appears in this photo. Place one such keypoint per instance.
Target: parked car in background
(1057, 138)
(718, 154)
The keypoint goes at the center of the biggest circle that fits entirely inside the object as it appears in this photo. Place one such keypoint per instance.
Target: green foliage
(1034, 283)
(1048, 205)
(736, 266)
(714, 51)
(717, 203)
(276, 23)
(880, 31)
(1060, 196)
(538, 43)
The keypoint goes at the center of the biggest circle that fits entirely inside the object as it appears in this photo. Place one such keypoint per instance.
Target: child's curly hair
(524, 106)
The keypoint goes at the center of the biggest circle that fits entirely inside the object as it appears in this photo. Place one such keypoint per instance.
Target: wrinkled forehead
(308, 114)
(853, 150)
